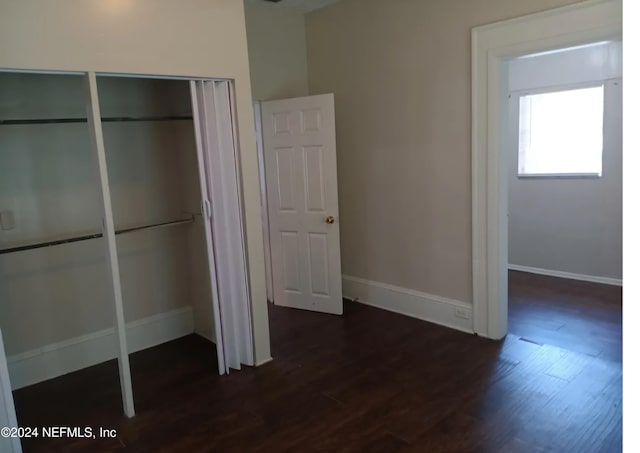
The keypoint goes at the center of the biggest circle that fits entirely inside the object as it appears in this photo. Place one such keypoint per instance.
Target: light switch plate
(7, 220)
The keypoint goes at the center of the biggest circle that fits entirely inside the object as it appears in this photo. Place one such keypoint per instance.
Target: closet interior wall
(153, 177)
(48, 184)
(56, 298)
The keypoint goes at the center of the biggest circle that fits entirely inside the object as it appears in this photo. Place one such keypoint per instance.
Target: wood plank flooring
(579, 316)
(367, 381)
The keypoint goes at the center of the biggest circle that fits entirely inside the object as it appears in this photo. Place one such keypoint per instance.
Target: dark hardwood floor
(367, 381)
(578, 316)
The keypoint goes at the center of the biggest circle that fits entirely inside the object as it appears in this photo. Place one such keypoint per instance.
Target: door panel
(290, 253)
(284, 159)
(318, 264)
(213, 113)
(302, 194)
(314, 183)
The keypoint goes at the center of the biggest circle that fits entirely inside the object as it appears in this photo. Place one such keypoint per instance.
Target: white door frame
(7, 409)
(257, 116)
(492, 46)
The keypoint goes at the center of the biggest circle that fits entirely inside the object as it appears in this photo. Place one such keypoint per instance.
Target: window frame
(518, 94)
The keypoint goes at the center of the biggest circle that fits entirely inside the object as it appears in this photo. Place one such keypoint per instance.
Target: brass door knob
(330, 220)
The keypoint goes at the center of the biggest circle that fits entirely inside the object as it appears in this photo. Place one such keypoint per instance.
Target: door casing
(493, 46)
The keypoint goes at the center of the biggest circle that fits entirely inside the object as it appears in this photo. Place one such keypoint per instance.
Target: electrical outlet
(463, 313)
(7, 220)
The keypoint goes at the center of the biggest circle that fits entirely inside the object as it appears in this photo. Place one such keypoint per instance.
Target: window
(561, 133)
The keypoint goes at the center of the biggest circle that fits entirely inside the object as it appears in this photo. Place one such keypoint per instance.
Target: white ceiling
(306, 5)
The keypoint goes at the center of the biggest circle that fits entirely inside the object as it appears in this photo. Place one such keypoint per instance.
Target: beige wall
(168, 37)
(401, 75)
(277, 50)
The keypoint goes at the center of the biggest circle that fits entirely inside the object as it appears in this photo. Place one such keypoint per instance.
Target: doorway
(564, 177)
(492, 47)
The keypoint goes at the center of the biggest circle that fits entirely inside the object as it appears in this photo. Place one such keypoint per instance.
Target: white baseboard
(561, 274)
(74, 354)
(435, 309)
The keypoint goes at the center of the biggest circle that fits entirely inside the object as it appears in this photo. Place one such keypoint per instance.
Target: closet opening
(152, 165)
(55, 308)
(121, 231)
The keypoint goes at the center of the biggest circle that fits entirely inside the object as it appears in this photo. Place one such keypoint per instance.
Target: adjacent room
(565, 198)
(311, 225)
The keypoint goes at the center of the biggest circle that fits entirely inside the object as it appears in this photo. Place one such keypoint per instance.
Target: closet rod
(113, 119)
(95, 236)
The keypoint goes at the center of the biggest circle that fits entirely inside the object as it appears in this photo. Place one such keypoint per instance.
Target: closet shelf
(95, 235)
(111, 119)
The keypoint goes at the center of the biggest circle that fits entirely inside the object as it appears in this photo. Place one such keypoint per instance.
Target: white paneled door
(302, 202)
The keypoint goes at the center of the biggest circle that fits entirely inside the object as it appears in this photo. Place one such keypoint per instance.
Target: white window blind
(561, 133)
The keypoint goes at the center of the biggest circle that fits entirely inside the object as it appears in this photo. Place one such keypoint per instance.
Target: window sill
(560, 176)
